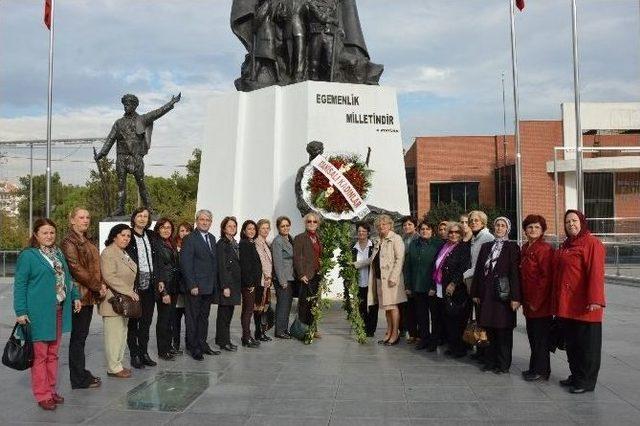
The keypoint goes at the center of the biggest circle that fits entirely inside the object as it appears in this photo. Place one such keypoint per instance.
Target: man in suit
(200, 270)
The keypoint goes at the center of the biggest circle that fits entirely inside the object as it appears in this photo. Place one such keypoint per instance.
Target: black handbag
(267, 318)
(502, 288)
(298, 329)
(18, 354)
(124, 305)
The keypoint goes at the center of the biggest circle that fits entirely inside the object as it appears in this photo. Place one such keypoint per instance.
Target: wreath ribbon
(337, 179)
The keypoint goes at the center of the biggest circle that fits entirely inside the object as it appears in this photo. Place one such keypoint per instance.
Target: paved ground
(336, 381)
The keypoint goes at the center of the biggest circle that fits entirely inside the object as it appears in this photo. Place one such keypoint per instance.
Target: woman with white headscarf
(496, 289)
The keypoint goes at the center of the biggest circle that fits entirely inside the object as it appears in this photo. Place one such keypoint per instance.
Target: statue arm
(108, 143)
(152, 116)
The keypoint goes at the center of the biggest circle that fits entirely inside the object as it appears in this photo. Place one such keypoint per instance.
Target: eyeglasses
(454, 232)
(312, 221)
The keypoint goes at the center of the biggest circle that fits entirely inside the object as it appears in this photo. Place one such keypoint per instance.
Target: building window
(463, 193)
(598, 202)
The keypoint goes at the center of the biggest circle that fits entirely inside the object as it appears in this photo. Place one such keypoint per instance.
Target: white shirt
(145, 264)
(362, 258)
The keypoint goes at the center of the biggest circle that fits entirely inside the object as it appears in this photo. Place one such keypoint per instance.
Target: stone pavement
(338, 382)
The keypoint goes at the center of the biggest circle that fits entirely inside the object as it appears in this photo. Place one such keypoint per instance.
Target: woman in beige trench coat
(386, 282)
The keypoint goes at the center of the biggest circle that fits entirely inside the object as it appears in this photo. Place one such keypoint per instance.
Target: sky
(445, 58)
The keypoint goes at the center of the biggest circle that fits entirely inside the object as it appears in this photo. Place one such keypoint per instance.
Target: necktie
(206, 238)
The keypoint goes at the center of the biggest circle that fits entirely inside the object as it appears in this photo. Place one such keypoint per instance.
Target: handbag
(453, 307)
(18, 353)
(298, 329)
(502, 288)
(267, 319)
(124, 305)
(475, 335)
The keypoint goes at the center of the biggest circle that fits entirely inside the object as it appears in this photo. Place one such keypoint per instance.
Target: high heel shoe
(395, 342)
(383, 341)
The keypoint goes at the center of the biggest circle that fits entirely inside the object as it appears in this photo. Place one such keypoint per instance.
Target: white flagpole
(49, 104)
(516, 109)
(576, 89)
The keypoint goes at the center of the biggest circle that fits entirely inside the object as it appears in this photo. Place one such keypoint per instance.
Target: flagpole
(49, 109)
(516, 109)
(576, 89)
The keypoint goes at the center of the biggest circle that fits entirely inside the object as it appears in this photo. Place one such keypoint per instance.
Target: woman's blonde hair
(74, 211)
(262, 222)
(481, 215)
(383, 218)
(314, 215)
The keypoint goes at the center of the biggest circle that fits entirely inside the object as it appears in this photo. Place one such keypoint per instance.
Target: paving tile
(442, 393)
(510, 393)
(143, 418)
(300, 391)
(262, 420)
(525, 411)
(447, 410)
(360, 392)
(294, 407)
(190, 419)
(384, 410)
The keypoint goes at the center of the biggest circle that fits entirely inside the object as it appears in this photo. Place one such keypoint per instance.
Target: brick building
(480, 169)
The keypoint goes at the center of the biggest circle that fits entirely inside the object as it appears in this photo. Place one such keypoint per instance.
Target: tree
(58, 193)
(13, 233)
(452, 212)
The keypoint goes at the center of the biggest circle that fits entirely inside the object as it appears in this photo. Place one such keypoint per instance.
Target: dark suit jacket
(250, 265)
(199, 264)
(305, 263)
(228, 273)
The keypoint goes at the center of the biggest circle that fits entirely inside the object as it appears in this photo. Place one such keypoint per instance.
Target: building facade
(474, 170)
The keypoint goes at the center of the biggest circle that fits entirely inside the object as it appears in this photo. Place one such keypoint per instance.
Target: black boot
(146, 360)
(136, 362)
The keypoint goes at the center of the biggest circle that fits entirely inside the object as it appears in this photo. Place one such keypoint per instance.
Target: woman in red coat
(579, 286)
(536, 275)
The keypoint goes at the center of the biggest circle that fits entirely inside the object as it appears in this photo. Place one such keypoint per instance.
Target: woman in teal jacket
(42, 296)
(418, 280)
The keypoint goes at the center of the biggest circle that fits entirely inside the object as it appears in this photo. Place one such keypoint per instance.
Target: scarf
(442, 256)
(496, 249)
(53, 254)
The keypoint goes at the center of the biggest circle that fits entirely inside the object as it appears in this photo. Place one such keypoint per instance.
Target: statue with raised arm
(132, 135)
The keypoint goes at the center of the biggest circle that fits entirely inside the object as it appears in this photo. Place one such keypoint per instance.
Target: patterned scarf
(53, 253)
(496, 249)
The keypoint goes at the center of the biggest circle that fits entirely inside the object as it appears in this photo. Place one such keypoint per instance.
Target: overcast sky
(445, 57)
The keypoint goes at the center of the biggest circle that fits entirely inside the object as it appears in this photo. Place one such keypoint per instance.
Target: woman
(467, 234)
(42, 295)
(307, 252)
(119, 273)
(250, 276)
(184, 229)
(579, 286)
(282, 253)
(361, 252)
(263, 292)
(83, 259)
(536, 272)
(168, 267)
(452, 260)
(228, 253)
(419, 282)
(407, 309)
(386, 281)
(143, 249)
(443, 229)
(496, 289)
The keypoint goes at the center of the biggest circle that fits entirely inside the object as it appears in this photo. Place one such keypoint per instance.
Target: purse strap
(26, 331)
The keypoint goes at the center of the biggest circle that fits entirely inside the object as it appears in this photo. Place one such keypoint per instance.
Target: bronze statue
(288, 41)
(132, 135)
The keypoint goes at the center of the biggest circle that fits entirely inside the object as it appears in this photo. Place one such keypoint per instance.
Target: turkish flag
(47, 13)
(520, 4)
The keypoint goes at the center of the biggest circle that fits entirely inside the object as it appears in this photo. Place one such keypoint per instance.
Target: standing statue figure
(132, 132)
(296, 37)
(323, 30)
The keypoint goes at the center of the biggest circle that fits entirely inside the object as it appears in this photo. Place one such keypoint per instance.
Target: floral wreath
(323, 196)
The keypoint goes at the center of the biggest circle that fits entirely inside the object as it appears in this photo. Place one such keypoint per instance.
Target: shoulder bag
(18, 353)
(124, 305)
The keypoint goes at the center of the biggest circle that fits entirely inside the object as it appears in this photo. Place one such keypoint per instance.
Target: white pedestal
(255, 142)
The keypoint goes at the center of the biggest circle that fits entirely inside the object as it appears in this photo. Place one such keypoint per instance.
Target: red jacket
(579, 278)
(536, 271)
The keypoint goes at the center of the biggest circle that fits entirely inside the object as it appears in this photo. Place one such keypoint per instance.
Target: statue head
(314, 148)
(130, 103)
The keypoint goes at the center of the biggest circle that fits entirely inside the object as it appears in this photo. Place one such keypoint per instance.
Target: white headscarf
(496, 249)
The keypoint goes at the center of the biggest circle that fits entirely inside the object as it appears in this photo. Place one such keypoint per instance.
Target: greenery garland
(337, 235)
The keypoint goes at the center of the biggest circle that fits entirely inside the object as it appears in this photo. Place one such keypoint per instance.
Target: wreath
(326, 197)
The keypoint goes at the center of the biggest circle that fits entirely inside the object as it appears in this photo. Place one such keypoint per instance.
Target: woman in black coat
(250, 276)
(453, 259)
(228, 253)
(169, 268)
(496, 289)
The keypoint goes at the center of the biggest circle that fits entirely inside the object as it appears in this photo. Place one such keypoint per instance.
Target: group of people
(429, 282)
(436, 278)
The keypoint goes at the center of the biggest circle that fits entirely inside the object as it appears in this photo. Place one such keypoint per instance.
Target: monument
(306, 77)
(132, 135)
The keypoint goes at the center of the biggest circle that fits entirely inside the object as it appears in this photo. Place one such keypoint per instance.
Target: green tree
(59, 192)
(13, 233)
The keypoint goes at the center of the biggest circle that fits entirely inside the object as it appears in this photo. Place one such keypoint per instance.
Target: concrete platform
(338, 382)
